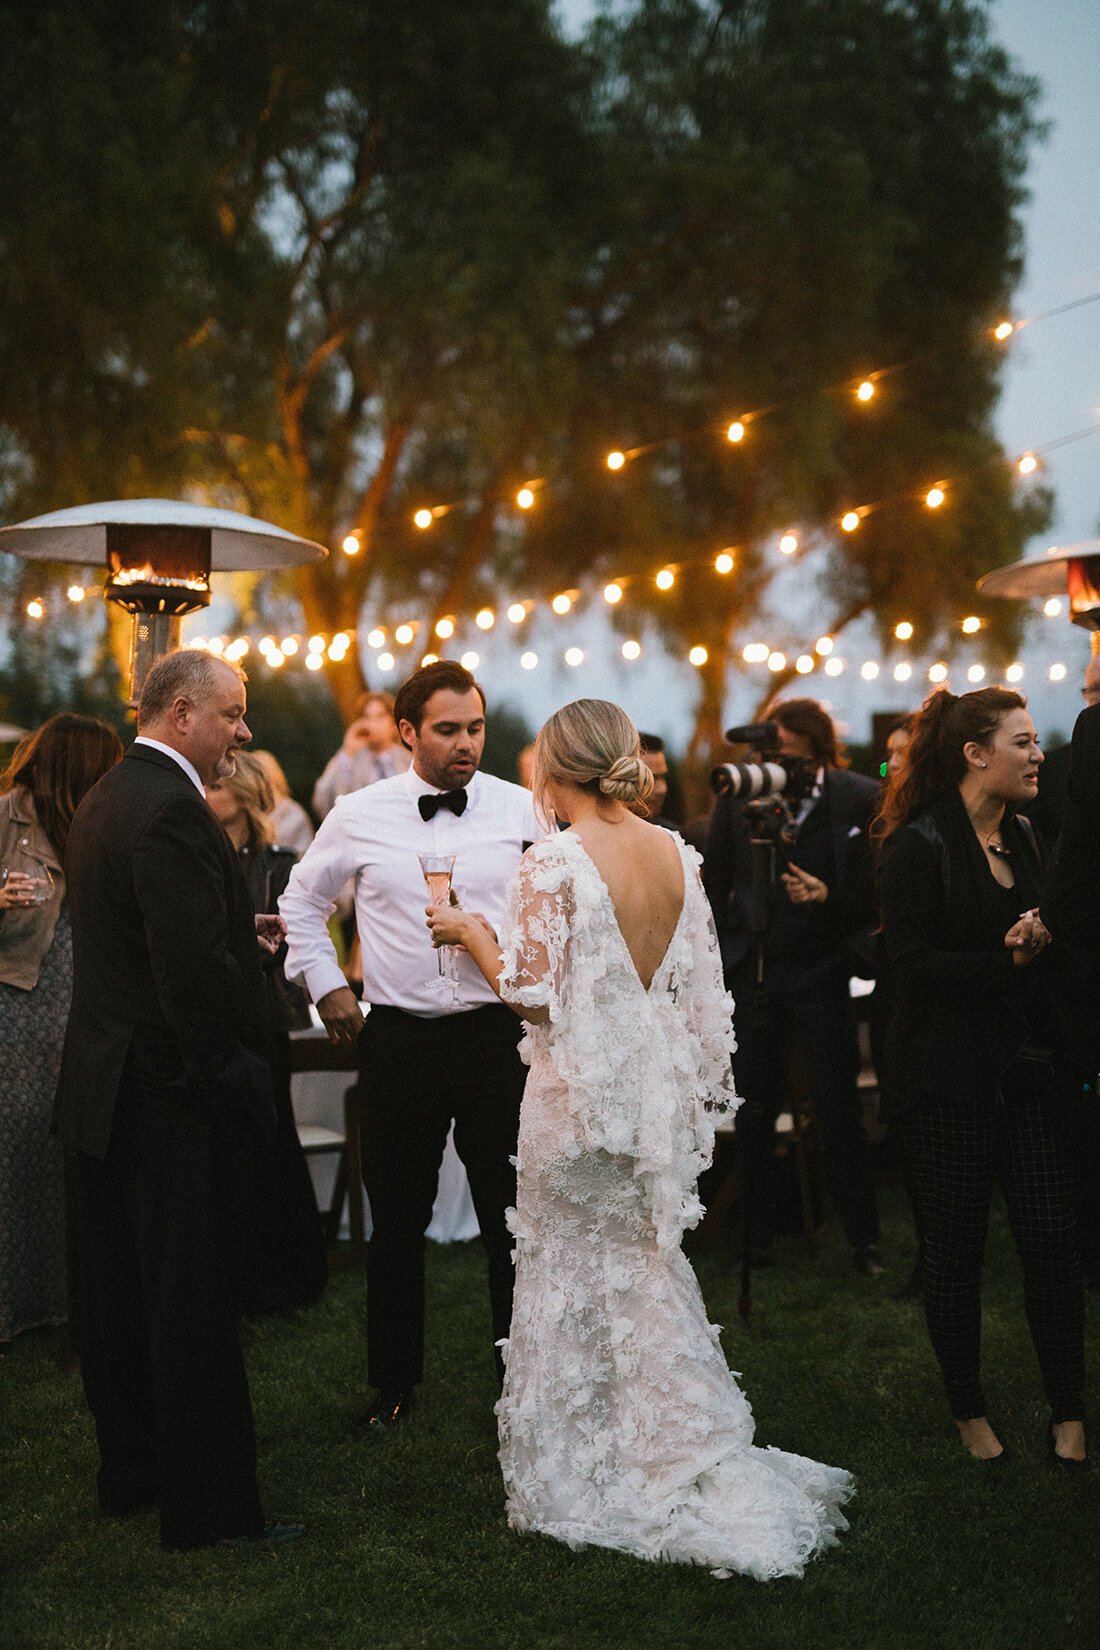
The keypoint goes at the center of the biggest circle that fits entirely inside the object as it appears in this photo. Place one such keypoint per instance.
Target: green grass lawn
(407, 1545)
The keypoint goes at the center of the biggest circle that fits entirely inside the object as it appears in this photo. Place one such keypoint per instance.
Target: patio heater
(159, 555)
(1071, 570)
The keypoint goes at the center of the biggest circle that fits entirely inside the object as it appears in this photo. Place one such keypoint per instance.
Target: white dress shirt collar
(167, 750)
(420, 787)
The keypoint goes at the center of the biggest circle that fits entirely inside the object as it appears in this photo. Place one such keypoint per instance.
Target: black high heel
(1065, 1463)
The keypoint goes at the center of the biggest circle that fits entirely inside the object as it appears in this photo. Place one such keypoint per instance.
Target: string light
(517, 612)
(314, 661)
(290, 645)
(903, 631)
(423, 519)
(698, 656)
(736, 431)
(376, 639)
(316, 644)
(976, 673)
(1053, 607)
(525, 498)
(805, 663)
(1028, 464)
(777, 661)
(788, 544)
(869, 670)
(429, 659)
(265, 643)
(485, 619)
(444, 629)
(574, 656)
(934, 497)
(902, 672)
(404, 634)
(35, 609)
(824, 646)
(562, 603)
(1003, 330)
(834, 666)
(199, 643)
(866, 390)
(850, 520)
(76, 592)
(470, 661)
(632, 650)
(971, 625)
(275, 659)
(529, 660)
(1057, 673)
(937, 672)
(612, 593)
(386, 661)
(616, 460)
(723, 563)
(216, 644)
(1015, 672)
(350, 546)
(755, 653)
(665, 579)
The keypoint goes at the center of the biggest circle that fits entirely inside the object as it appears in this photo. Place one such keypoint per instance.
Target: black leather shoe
(273, 1534)
(387, 1410)
(1065, 1463)
(868, 1262)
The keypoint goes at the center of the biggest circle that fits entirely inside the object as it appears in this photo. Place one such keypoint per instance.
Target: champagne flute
(438, 872)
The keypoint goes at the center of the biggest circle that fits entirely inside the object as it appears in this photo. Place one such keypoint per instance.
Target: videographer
(819, 913)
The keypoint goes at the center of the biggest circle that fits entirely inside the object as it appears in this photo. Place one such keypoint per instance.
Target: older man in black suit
(162, 1100)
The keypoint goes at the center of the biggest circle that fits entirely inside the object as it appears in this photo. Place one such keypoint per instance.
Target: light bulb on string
(314, 661)
(937, 672)
(517, 612)
(350, 546)
(316, 644)
(1053, 607)
(698, 656)
(35, 609)
(736, 431)
(777, 661)
(561, 603)
(971, 625)
(376, 638)
(404, 634)
(632, 650)
(276, 658)
(903, 631)
(386, 662)
(470, 661)
(525, 498)
(805, 664)
(76, 592)
(869, 670)
(1028, 464)
(423, 519)
(265, 643)
(616, 460)
(834, 665)
(445, 628)
(723, 563)
(850, 520)
(824, 646)
(934, 497)
(1004, 330)
(528, 660)
(1057, 673)
(903, 671)
(612, 593)
(976, 673)
(788, 544)
(574, 656)
(199, 644)
(289, 646)
(865, 391)
(485, 619)
(429, 659)
(1015, 672)
(665, 579)
(755, 653)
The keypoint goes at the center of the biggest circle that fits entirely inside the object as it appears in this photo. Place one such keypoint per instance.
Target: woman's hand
(450, 925)
(1027, 938)
(802, 888)
(18, 892)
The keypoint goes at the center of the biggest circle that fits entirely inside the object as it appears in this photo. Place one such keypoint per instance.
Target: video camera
(773, 787)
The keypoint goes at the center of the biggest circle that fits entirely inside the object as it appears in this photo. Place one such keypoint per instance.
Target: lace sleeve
(706, 1004)
(535, 938)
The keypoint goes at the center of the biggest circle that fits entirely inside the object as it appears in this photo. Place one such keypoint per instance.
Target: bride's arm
(452, 926)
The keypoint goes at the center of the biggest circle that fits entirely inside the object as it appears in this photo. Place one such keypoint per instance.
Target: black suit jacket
(167, 981)
(1071, 905)
(851, 799)
(958, 1003)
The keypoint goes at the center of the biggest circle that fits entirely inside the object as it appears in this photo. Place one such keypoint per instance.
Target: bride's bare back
(642, 871)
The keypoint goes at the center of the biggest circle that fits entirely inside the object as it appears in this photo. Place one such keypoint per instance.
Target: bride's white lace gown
(620, 1423)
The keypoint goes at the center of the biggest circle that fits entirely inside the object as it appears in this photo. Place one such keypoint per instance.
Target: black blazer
(957, 1000)
(1071, 905)
(167, 981)
(851, 799)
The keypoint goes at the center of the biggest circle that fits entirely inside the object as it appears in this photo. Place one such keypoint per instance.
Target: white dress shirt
(177, 756)
(374, 836)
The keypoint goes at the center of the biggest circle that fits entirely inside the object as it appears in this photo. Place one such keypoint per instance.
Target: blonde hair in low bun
(593, 745)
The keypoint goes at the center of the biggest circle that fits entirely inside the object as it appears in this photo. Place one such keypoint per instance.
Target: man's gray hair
(189, 673)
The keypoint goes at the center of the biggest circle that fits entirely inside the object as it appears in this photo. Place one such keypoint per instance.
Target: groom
(425, 1061)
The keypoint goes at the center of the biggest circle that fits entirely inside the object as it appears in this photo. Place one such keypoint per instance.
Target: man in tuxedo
(425, 1059)
(1071, 907)
(821, 909)
(162, 1101)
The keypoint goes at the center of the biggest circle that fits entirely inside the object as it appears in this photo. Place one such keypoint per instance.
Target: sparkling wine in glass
(29, 880)
(438, 872)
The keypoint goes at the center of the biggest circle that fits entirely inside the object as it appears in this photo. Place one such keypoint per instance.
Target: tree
(417, 254)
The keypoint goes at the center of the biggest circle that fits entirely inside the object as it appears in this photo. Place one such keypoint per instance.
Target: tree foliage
(331, 262)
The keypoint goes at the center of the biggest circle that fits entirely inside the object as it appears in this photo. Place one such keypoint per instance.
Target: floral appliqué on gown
(620, 1423)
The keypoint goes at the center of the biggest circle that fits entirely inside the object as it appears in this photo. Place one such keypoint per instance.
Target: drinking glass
(37, 884)
(438, 872)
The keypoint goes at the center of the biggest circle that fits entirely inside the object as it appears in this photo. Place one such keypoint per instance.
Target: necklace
(997, 849)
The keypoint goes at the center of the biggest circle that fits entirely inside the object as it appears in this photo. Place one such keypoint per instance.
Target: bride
(620, 1423)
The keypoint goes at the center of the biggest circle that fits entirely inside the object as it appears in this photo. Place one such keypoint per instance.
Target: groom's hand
(342, 1016)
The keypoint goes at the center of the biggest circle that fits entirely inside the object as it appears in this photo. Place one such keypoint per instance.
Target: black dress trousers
(161, 1358)
(418, 1075)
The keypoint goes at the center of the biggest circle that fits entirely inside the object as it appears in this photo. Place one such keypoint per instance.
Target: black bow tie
(430, 805)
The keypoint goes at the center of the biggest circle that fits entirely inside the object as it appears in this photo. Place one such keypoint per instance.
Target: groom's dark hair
(414, 694)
